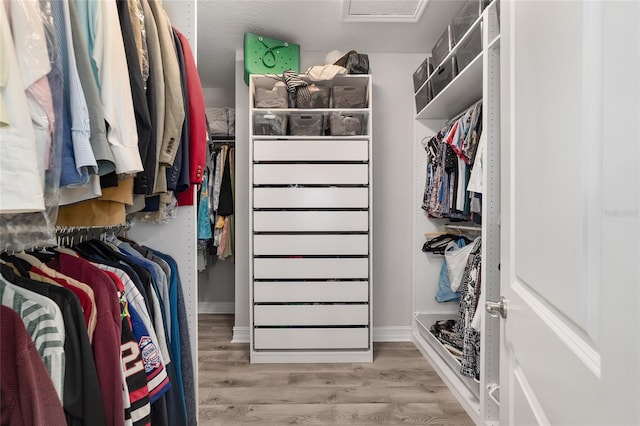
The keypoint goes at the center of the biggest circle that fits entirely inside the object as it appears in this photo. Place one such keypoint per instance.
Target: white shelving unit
(463, 89)
(310, 236)
(480, 79)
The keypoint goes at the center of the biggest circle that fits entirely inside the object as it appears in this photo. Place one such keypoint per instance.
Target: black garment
(137, 379)
(152, 204)
(225, 203)
(140, 105)
(174, 403)
(159, 410)
(110, 180)
(91, 253)
(186, 362)
(182, 153)
(82, 399)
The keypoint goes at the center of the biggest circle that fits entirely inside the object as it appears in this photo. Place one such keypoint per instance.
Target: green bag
(264, 55)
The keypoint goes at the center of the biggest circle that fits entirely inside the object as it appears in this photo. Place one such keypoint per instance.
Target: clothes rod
(463, 227)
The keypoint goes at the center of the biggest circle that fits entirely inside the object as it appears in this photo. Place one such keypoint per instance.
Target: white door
(569, 219)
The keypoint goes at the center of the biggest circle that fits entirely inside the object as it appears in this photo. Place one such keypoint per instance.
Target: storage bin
(349, 97)
(269, 124)
(422, 73)
(465, 17)
(272, 98)
(423, 97)
(305, 124)
(218, 121)
(341, 124)
(469, 48)
(442, 47)
(443, 75)
(319, 97)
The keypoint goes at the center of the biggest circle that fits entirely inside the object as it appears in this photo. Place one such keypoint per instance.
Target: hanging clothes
(82, 396)
(471, 287)
(137, 368)
(451, 157)
(29, 397)
(97, 80)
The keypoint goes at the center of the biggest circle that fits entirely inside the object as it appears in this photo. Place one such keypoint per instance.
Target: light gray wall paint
(219, 96)
(242, 195)
(393, 114)
(216, 285)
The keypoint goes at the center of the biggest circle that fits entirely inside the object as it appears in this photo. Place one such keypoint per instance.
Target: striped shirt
(42, 328)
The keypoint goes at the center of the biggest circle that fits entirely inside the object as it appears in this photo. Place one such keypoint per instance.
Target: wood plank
(399, 387)
(298, 395)
(342, 414)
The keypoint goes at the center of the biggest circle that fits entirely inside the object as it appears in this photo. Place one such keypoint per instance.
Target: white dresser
(310, 230)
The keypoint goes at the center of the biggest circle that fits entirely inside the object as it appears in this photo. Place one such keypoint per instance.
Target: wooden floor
(398, 388)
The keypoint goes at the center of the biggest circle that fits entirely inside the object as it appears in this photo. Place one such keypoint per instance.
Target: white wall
(216, 284)
(216, 288)
(219, 96)
(393, 113)
(393, 189)
(241, 328)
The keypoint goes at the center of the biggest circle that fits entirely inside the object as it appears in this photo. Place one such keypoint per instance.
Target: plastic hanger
(32, 260)
(439, 243)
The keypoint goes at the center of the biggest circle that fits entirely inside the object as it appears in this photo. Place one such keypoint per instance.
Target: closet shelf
(223, 139)
(463, 91)
(306, 138)
(466, 391)
(424, 322)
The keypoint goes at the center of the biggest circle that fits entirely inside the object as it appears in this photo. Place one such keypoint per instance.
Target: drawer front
(311, 221)
(310, 174)
(311, 244)
(311, 338)
(310, 197)
(310, 291)
(301, 268)
(310, 150)
(295, 315)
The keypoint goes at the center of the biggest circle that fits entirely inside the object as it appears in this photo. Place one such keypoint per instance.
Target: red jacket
(197, 121)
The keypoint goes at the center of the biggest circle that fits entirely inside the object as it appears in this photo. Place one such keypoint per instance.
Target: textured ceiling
(316, 25)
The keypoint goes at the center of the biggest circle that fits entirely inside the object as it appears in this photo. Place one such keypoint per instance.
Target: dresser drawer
(301, 268)
(310, 174)
(311, 338)
(331, 221)
(302, 315)
(310, 291)
(330, 244)
(310, 197)
(311, 150)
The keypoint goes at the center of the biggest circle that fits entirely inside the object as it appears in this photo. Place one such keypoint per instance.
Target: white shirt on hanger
(20, 179)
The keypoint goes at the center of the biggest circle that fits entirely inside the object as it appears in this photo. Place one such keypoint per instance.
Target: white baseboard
(216, 307)
(392, 334)
(240, 335)
(380, 334)
(295, 357)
